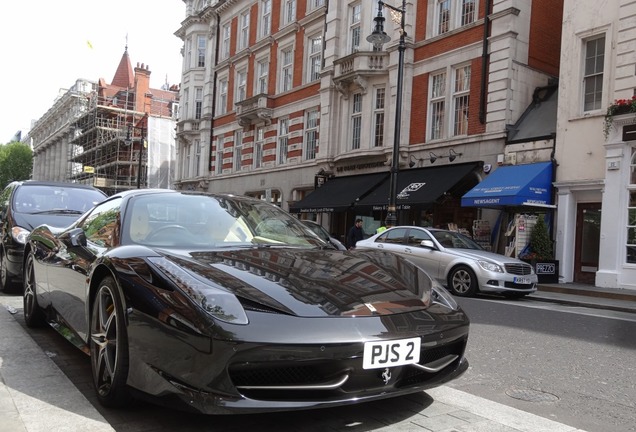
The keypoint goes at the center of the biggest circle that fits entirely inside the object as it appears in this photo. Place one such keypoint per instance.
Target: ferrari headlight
(489, 266)
(220, 304)
(19, 234)
(443, 297)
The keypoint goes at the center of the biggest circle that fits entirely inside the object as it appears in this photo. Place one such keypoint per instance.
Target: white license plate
(522, 280)
(391, 353)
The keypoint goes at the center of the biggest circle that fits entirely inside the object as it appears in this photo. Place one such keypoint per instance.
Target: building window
(289, 11)
(467, 12)
(186, 103)
(257, 155)
(311, 134)
(197, 157)
(201, 46)
(266, 18)
(438, 106)
(443, 16)
(219, 155)
(314, 4)
(631, 212)
(593, 73)
(241, 85)
(283, 139)
(461, 95)
(244, 29)
(238, 150)
(188, 44)
(222, 102)
(452, 14)
(186, 161)
(315, 58)
(356, 120)
(225, 41)
(354, 27)
(198, 102)
(286, 73)
(378, 117)
(262, 70)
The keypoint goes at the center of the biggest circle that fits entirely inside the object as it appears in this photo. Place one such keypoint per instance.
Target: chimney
(142, 88)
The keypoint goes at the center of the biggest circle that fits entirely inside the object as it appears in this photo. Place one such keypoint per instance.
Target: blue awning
(513, 185)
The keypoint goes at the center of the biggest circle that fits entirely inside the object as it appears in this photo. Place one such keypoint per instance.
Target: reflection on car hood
(482, 255)
(314, 283)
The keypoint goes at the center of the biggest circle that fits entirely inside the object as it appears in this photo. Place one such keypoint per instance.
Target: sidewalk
(35, 395)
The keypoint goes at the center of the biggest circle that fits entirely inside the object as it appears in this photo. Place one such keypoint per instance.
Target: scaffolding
(108, 137)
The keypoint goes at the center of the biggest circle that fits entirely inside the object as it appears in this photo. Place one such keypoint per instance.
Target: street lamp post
(378, 38)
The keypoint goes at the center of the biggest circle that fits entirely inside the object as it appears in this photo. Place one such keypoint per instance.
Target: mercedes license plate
(381, 354)
(522, 280)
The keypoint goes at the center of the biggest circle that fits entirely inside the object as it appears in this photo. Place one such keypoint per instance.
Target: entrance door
(588, 235)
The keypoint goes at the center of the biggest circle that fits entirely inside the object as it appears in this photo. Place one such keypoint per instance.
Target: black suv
(27, 204)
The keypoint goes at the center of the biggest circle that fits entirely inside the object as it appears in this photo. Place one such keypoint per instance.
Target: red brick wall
(545, 35)
(419, 109)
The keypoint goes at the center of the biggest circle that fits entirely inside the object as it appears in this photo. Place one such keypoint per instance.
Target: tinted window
(416, 236)
(41, 198)
(395, 236)
(101, 226)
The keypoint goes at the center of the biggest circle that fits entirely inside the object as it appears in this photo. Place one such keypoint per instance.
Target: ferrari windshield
(194, 220)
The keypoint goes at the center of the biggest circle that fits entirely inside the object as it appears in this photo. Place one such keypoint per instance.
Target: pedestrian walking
(355, 234)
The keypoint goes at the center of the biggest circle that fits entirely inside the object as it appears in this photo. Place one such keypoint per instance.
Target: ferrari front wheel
(109, 346)
(33, 315)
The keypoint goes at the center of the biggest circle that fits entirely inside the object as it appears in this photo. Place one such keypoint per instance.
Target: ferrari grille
(518, 269)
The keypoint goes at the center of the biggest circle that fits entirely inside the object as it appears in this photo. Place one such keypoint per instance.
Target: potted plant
(540, 253)
(620, 106)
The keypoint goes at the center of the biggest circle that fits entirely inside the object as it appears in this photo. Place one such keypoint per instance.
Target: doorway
(588, 235)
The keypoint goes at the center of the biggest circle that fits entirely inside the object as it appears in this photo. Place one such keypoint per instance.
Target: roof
(539, 119)
(124, 75)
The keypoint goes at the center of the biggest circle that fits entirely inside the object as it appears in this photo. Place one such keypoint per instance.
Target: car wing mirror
(428, 244)
(77, 237)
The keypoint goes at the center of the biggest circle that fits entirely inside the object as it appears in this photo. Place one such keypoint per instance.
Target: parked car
(321, 232)
(221, 304)
(27, 204)
(456, 261)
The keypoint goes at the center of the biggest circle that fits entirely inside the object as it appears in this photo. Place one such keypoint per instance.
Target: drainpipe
(484, 66)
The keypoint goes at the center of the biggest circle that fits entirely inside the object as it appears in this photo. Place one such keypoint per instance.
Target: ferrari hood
(313, 283)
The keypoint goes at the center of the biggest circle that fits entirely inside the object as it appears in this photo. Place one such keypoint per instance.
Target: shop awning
(338, 193)
(419, 186)
(513, 185)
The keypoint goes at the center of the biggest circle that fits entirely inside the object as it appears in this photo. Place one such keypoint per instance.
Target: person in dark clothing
(355, 234)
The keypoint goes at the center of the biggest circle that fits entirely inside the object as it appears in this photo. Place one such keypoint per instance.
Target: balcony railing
(254, 110)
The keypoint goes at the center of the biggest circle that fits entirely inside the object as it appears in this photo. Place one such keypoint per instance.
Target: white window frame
(186, 103)
(455, 16)
(314, 4)
(379, 116)
(460, 94)
(355, 27)
(226, 34)
(241, 84)
(188, 44)
(288, 9)
(221, 107)
(283, 141)
(356, 121)
(186, 161)
(237, 153)
(314, 57)
(437, 106)
(265, 27)
(259, 142)
(197, 157)
(312, 140)
(244, 29)
(630, 227)
(219, 155)
(286, 68)
(592, 75)
(198, 102)
(262, 76)
(201, 50)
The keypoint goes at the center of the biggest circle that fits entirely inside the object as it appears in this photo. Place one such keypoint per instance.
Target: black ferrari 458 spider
(223, 304)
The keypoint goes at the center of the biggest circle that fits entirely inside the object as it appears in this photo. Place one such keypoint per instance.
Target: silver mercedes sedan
(456, 261)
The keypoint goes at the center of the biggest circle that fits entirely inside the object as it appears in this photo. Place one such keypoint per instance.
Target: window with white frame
(188, 47)
(311, 134)
(197, 157)
(262, 76)
(238, 150)
(186, 103)
(630, 257)
(225, 41)
(259, 141)
(378, 117)
(355, 29)
(289, 11)
(452, 14)
(198, 102)
(356, 120)
(186, 160)
(244, 29)
(593, 73)
(241, 85)
(219, 155)
(283, 140)
(438, 106)
(286, 72)
(266, 18)
(222, 98)
(314, 57)
(461, 99)
(201, 47)
(314, 4)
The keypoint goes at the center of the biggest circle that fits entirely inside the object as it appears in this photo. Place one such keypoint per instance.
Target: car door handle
(380, 246)
(408, 250)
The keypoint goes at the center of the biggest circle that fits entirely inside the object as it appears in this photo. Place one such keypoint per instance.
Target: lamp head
(432, 157)
(379, 36)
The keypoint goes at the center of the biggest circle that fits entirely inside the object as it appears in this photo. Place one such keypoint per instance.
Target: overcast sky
(47, 45)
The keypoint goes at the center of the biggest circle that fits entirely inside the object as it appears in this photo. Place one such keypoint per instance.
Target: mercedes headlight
(490, 266)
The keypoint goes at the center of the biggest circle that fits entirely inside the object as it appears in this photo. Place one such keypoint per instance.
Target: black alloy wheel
(33, 314)
(462, 281)
(6, 284)
(109, 346)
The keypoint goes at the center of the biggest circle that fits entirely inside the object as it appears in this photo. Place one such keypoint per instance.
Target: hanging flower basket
(620, 106)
